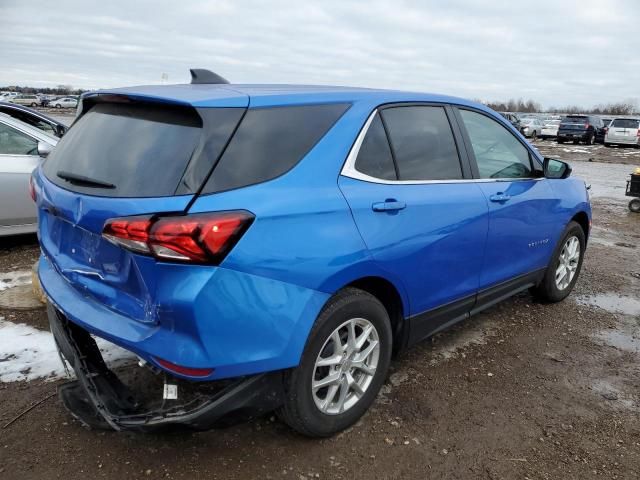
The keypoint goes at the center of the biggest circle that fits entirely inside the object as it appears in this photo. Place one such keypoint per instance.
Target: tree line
(58, 90)
(627, 107)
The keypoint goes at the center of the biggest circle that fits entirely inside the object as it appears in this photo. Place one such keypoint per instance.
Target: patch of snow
(27, 353)
(14, 279)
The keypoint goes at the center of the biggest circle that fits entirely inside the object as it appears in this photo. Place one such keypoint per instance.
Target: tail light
(605, 129)
(638, 134)
(199, 238)
(587, 126)
(32, 189)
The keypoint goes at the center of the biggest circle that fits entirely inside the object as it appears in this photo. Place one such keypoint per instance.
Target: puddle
(629, 341)
(613, 394)
(612, 302)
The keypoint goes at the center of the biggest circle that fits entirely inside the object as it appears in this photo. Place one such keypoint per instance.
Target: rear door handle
(499, 197)
(388, 205)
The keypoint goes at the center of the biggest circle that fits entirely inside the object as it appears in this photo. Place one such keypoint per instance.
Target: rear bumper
(578, 135)
(236, 323)
(100, 400)
(623, 141)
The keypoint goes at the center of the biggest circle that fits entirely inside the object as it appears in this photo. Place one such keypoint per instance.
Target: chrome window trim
(349, 167)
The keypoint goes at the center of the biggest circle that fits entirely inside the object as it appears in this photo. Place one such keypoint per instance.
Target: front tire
(564, 269)
(534, 135)
(634, 205)
(343, 366)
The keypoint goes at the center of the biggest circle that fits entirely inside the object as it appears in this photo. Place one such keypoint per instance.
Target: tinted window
(625, 123)
(142, 150)
(498, 152)
(14, 142)
(581, 120)
(374, 157)
(422, 143)
(269, 142)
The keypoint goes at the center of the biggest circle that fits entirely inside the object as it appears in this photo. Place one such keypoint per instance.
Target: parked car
(22, 148)
(531, 127)
(30, 100)
(208, 264)
(513, 119)
(34, 118)
(623, 131)
(550, 129)
(581, 128)
(64, 102)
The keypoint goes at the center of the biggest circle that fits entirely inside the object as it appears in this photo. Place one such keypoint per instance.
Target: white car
(550, 128)
(623, 131)
(65, 102)
(531, 127)
(22, 148)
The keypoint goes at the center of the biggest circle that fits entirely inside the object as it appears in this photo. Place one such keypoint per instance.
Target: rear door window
(374, 158)
(142, 150)
(498, 152)
(269, 142)
(422, 143)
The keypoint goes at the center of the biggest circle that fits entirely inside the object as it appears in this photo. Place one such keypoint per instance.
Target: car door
(18, 157)
(523, 224)
(424, 222)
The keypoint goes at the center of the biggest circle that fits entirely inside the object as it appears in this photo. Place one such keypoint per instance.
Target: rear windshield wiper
(84, 181)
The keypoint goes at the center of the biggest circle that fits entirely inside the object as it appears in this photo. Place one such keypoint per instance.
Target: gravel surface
(521, 391)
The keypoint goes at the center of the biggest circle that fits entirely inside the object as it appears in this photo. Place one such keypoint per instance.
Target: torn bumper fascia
(100, 400)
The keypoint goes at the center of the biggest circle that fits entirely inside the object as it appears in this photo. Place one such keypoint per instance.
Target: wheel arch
(582, 219)
(392, 300)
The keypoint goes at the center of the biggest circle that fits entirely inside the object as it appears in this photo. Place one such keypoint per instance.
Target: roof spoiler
(203, 76)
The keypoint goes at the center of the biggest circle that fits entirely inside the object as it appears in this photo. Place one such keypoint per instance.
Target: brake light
(638, 134)
(200, 238)
(188, 371)
(32, 189)
(587, 125)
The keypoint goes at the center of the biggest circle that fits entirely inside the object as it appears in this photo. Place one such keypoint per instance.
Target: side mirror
(44, 149)
(556, 168)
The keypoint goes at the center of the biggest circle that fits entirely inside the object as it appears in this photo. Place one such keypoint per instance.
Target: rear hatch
(574, 124)
(123, 159)
(624, 129)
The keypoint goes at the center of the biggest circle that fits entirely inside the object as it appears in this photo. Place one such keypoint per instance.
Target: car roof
(26, 128)
(22, 108)
(236, 95)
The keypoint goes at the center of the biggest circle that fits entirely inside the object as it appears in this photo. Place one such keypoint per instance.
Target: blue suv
(273, 246)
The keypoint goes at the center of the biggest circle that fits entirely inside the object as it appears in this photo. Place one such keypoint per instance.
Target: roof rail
(203, 76)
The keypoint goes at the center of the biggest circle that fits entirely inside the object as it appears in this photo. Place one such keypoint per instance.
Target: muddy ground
(522, 391)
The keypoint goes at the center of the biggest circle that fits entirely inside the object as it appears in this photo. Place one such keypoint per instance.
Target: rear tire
(634, 205)
(560, 140)
(338, 341)
(607, 144)
(565, 265)
(534, 135)
(58, 105)
(591, 140)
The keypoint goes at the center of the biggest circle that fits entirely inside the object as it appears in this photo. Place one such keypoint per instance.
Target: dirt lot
(522, 391)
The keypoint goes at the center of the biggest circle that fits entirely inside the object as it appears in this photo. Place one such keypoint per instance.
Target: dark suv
(581, 128)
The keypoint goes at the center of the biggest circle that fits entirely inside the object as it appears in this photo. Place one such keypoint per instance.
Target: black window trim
(536, 166)
(349, 169)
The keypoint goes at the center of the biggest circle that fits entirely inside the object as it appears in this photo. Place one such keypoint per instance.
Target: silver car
(22, 148)
(531, 127)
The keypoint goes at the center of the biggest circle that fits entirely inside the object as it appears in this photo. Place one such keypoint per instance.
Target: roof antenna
(203, 76)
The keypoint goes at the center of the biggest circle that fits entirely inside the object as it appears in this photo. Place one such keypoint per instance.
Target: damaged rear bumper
(99, 399)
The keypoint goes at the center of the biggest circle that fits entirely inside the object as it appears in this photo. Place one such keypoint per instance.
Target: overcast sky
(556, 52)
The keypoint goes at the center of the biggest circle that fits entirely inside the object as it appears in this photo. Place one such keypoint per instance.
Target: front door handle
(389, 205)
(499, 197)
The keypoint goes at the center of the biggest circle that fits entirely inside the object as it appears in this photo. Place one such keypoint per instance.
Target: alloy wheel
(345, 366)
(568, 263)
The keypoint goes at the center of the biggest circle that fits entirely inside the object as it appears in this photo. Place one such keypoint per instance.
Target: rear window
(141, 150)
(625, 123)
(582, 120)
(269, 142)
